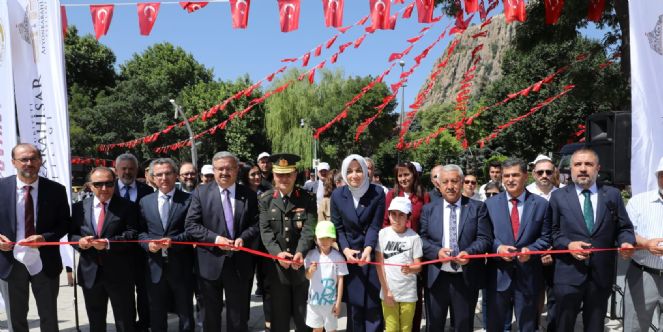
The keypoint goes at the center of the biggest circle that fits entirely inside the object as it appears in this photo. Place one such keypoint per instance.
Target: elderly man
(33, 209)
(226, 214)
(188, 177)
(318, 187)
(434, 193)
(451, 228)
(170, 268)
(645, 274)
(587, 215)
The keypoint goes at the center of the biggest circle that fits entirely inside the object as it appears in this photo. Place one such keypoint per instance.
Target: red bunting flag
(392, 21)
(595, 10)
(306, 58)
(289, 15)
(333, 10)
(63, 19)
(380, 14)
(482, 11)
(192, 6)
(331, 41)
(399, 1)
(318, 50)
(425, 10)
(407, 13)
(239, 10)
(553, 10)
(147, 15)
(514, 10)
(102, 15)
(471, 6)
(461, 24)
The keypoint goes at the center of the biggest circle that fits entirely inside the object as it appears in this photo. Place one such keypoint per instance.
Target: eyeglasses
(107, 184)
(164, 174)
(470, 182)
(547, 171)
(26, 160)
(491, 194)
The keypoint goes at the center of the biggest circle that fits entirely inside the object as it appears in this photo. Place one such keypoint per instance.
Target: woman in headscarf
(357, 210)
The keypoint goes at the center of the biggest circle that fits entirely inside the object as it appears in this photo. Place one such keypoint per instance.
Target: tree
(89, 64)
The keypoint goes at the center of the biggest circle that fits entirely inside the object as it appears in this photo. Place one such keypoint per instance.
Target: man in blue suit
(586, 215)
(170, 268)
(521, 223)
(451, 228)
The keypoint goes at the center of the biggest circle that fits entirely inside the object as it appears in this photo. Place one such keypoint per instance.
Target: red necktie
(29, 212)
(100, 220)
(515, 219)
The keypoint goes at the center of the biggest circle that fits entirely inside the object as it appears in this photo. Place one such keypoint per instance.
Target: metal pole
(402, 117)
(73, 272)
(194, 153)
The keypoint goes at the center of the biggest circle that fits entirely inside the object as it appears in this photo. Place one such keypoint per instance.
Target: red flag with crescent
(482, 11)
(514, 10)
(63, 15)
(147, 15)
(471, 6)
(192, 6)
(333, 10)
(102, 15)
(380, 14)
(425, 10)
(289, 15)
(553, 10)
(595, 10)
(239, 10)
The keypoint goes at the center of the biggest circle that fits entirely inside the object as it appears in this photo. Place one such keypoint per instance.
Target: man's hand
(284, 255)
(239, 242)
(5, 243)
(626, 250)
(154, 246)
(100, 244)
(653, 247)
(546, 260)
(85, 242)
(31, 239)
(166, 242)
(460, 260)
(351, 255)
(524, 258)
(365, 256)
(505, 250)
(223, 243)
(444, 253)
(580, 246)
(297, 261)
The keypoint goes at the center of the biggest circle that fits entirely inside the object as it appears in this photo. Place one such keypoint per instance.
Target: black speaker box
(609, 134)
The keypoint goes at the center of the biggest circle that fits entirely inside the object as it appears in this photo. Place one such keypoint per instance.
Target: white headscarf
(357, 192)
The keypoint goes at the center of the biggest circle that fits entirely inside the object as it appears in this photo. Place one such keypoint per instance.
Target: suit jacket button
(287, 249)
(286, 219)
(287, 239)
(273, 210)
(286, 229)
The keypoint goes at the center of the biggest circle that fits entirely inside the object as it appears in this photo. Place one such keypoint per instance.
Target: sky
(207, 34)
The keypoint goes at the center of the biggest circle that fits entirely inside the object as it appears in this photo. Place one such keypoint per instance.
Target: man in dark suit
(226, 214)
(453, 227)
(287, 220)
(33, 209)
(521, 223)
(126, 167)
(586, 215)
(170, 268)
(102, 267)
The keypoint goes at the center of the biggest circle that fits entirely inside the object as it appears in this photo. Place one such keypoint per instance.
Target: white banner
(646, 37)
(7, 109)
(40, 85)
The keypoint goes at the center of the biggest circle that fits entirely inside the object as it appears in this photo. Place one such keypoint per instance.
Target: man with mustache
(188, 177)
(587, 215)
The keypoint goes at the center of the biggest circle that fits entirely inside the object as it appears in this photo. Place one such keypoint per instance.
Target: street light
(302, 124)
(402, 116)
(194, 153)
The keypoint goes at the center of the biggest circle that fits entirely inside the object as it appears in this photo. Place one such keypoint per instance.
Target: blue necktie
(453, 234)
(165, 210)
(228, 214)
(126, 192)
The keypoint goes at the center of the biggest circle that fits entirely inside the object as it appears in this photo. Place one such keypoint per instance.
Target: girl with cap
(399, 244)
(357, 210)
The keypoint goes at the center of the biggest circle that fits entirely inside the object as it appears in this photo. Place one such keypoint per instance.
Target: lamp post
(194, 153)
(302, 124)
(402, 116)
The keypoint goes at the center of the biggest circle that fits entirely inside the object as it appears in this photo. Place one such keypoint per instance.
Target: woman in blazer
(357, 210)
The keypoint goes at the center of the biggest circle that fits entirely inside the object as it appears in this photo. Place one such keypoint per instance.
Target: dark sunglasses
(491, 194)
(470, 182)
(547, 171)
(99, 185)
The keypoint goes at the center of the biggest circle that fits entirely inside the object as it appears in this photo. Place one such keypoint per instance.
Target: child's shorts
(318, 316)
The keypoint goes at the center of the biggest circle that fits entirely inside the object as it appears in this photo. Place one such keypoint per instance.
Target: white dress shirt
(133, 190)
(521, 203)
(447, 243)
(96, 206)
(646, 213)
(28, 256)
(534, 189)
(594, 196)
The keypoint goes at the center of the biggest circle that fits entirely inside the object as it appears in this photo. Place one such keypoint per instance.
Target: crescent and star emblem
(240, 2)
(513, 3)
(102, 14)
(380, 3)
(289, 12)
(149, 12)
(195, 7)
(333, 5)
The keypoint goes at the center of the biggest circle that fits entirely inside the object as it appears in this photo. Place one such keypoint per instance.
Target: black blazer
(142, 190)
(121, 223)
(180, 257)
(53, 219)
(612, 227)
(475, 237)
(205, 221)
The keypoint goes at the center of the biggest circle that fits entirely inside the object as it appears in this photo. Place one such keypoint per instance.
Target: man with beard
(587, 215)
(265, 165)
(188, 177)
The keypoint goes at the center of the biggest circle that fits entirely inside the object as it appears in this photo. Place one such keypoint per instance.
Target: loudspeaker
(609, 134)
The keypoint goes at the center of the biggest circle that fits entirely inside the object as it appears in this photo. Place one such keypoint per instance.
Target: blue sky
(257, 51)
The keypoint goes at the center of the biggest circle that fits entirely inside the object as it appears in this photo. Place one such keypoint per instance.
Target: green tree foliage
(317, 104)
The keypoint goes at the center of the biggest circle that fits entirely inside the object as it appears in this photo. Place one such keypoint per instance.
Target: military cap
(284, 163)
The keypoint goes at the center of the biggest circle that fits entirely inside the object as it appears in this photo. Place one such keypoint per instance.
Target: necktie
(29, 212)
(285, 201)
(453, 234)
(100, 220)
(228, 213)
(126, 192)
(165, 210)
(588, 210)
(515, 218)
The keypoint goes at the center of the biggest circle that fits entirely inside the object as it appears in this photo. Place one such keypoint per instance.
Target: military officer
(288, 216)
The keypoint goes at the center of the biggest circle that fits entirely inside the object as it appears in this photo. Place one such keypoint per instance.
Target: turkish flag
(392, 21)
(289, 15)
(63, 19)
(553, 10)
(425, 10)
(333, 10)
(239, 10)
(380, 14)
(192, 6)
(514, 10)
(595, 10)
(306, 58)
(147, 15)
(482, 11)
(407, 13)
(471, 6)
(102, 15)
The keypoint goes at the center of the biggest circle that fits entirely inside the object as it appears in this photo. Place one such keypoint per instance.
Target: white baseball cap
(541, 157)
(417, 166)
(323, 166)
(207, 169)
(262, 155)
(402, 204)
(660, 167)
